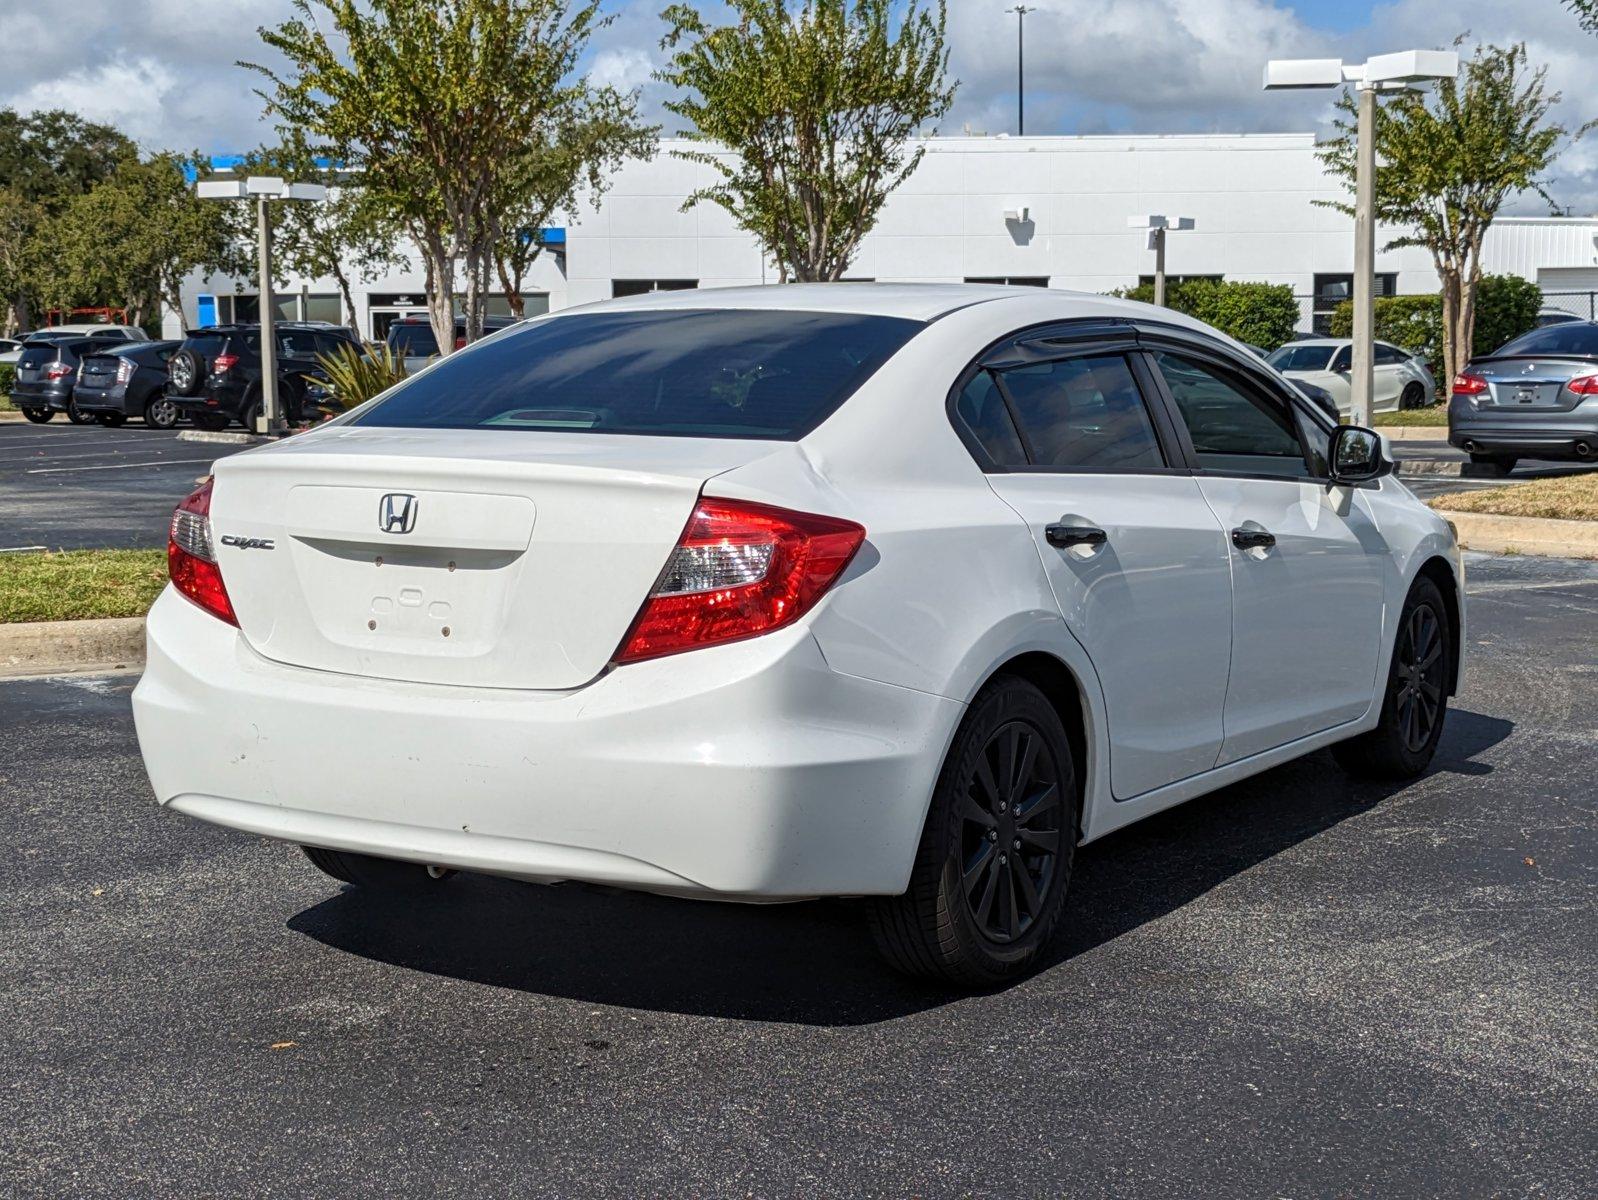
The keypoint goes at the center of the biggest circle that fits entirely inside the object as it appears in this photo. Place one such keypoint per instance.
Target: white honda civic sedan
(893, 592)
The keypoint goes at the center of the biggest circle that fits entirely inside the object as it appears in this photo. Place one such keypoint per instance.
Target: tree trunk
(475, 264)
(440, 289)
(349, 301)
(512, 285)
(1452, 304)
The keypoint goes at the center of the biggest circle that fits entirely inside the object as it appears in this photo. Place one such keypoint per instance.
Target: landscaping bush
(1261, 314)
(1506, 307)
(1413, 322)
(355, 376)
(8, 376)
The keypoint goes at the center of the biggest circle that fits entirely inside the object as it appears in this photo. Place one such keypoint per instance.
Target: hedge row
(1261, 314)
(1506, 307)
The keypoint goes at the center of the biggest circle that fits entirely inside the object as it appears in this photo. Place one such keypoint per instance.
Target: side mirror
(1357, 455)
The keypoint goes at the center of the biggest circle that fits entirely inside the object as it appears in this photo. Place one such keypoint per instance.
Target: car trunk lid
(1531, 384)
(494, 558)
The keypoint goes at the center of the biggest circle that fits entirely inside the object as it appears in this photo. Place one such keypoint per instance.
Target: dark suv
(215, 377)
(411, 338)
(46, 373)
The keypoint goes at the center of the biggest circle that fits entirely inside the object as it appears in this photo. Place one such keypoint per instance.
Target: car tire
(248, 415)
(210, 422)
(161, 413)
(1413, 396)
(185, 373)
(1415, 700)
(379, 874)
(1499, 464)
(111, 420)
(37, 415)
(998, 839)
(77, 416)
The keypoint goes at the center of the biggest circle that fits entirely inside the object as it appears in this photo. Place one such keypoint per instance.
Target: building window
(640, 287)
(1011, 280)
(316, 306)
(1332, 290)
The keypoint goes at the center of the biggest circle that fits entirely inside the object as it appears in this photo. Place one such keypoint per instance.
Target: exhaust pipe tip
(1470, 446)
(1583, 450)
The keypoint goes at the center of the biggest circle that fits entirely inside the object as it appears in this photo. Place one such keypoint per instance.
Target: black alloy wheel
(1418, 677)
(1010, 832)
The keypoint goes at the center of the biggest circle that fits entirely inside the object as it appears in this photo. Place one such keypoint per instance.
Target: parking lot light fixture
(1400, 71)
(1158, 224)
(264, 189)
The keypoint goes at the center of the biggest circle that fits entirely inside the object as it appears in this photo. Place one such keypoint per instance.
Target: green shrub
(1261, 314)
(1506, 307)
(1413, 322)
(8, 376)
(354, 377)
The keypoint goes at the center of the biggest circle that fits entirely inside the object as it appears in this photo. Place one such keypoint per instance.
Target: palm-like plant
(356, 376)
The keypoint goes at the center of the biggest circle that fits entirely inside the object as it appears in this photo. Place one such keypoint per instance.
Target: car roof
(912, 301)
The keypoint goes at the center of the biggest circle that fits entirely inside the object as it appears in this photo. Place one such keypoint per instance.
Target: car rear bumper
(101, 399)
(39, 395)
(1548, 434)
(750, 771)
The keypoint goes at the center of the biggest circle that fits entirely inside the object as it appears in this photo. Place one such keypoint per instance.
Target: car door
(1390, 377)
(1136, 559)
(1307, 559)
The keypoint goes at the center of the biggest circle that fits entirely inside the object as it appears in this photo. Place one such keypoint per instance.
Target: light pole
(1158, 225)
(1384, 73)
(1020, 11)
(264, 189)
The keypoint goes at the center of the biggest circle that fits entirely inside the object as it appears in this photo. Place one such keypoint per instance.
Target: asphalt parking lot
(83, 486)
(1300, 986)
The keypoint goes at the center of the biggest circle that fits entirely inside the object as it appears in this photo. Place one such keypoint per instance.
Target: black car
(118, 382)
(46, 374)
(411, 338)
(215, 376)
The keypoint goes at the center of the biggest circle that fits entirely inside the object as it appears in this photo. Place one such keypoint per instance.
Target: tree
(133, 239)
(1587, 10)
(816, 100)
(443, 106)
(46, 159)
(1448, 163)
(350, 235)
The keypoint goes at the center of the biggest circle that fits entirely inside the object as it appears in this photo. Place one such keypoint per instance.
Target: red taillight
(223, 363)
(739, 570)
(124, 370)
(1466, 384)
(190, 560)
(57, 371)
(460, 342)
(1586, 385)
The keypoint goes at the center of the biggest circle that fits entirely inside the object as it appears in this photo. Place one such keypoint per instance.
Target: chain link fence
(1578, 304)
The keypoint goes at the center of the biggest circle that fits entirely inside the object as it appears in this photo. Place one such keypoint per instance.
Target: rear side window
(1084, 413)
(1580, 337)
(745, 373)
(208, 346)
(1233, 426)
(982, 410)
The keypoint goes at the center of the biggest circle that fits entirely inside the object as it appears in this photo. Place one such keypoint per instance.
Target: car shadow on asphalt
(813, 963)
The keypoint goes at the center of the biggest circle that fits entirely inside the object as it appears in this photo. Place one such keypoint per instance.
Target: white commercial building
(1050, 211)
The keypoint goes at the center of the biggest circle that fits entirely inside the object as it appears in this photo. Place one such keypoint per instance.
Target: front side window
(744, 373)
(1234, 427)
(1292, 357)
(1084, 413)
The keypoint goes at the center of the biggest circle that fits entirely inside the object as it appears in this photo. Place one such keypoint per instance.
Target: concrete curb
(57, 647)
(222, 437)
(1542, 536)
(1415, 433)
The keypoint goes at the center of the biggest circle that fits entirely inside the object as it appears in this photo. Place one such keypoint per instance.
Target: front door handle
(1075, 535)
(1253, 539)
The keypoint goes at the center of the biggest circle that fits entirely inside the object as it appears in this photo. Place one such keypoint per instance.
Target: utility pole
(270, 420)
(1362, 381)
(1020, 11)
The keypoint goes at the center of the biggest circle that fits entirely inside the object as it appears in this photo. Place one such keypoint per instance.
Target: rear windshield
(1578, 338)
(1301, 358)
(413, 341)
(206, 345)
(744, 373)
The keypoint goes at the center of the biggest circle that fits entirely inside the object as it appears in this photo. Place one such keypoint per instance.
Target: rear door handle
(1075, 535)
(1253, 539)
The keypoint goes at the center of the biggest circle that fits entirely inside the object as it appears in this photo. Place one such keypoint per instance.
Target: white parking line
(170, 462)
(19, 549)
(100, 454)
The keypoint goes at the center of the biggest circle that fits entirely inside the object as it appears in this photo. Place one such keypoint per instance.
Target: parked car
(215, 376)
(10, 350)
(46, 374)
(894, 592)
(129, 380)
(412, 338)
(1555, 316)
(1536, 396)
(1320, 396)
(112, 333)
(1402, 379)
